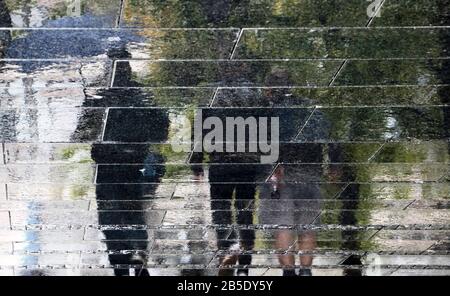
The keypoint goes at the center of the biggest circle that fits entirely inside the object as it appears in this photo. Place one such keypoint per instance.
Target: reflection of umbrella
(71, 43)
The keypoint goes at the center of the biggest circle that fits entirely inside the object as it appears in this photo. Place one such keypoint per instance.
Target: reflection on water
(91, 101)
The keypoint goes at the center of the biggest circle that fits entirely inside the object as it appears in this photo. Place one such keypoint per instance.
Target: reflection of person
(244, 194)
(124, 182)
(291, 205)
(228, 181)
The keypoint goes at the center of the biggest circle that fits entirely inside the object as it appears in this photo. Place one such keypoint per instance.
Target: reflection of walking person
(126, 172)
(291, 205)
(222, 214)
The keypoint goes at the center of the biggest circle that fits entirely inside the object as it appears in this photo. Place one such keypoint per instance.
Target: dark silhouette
(135, 176)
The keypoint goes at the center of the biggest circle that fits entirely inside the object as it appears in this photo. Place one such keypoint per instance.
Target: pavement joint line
(105, 122)
(236, 44)
(375, 14)
(120, 14)
(371, 158)
(286, 60)
(191, 154)
(296, 138)
(408, 205)
(340, 69)
(113, 73)
(300, 28)
(342, 190)
(272, 172)
(10, 221)
(295, 107)
(213, 100)
(3, 151)
(375, 234)
(246, 87)
(406, 141)
(429, 248)
(369, 161)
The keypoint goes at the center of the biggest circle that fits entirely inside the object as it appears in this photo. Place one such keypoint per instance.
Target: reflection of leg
(307, 243)
(244, 195)
(284, 240)
(221, 213)
(221, 196)
(111, 213)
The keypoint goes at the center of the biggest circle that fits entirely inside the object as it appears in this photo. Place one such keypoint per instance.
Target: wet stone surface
(98, 97)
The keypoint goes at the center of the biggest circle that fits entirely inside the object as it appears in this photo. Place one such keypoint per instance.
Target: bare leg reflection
(284, 241)
(307, 243)
(291, 205)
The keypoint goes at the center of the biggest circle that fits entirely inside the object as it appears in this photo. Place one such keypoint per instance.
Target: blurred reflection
(62, 13)
(291, 205)
(445, 77)
(236, 201)
(233, 187)
(127, 247)
(224, 199)
(244, 13)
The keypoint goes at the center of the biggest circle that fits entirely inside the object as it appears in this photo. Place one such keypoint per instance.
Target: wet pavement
(94, 93)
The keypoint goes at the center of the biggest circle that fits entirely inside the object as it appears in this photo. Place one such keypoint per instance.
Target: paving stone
(225, 73)
(414, 235)
(364, 173)
(78, 96)
(178, 121)
(386, 72)
(71, 174)
(375, 124)
(148, 97)
(65, 272)
(408, 191)
(3, 195)
(7, 272)
(141, 44)
(42, 259)
(69, 218)
(64, 125)
(257, 14)
(38, 206)
(6, 248)
(17, 96)
(423, 272)
(413, 13)
(44, 236)
(62, 14)
(72, 246)
(327, 97)
(414, 152)
(5, 221)
(410, 216)
(341, 43)
(50, 192)
(415, 260)
(19, 74)
(83, 153)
